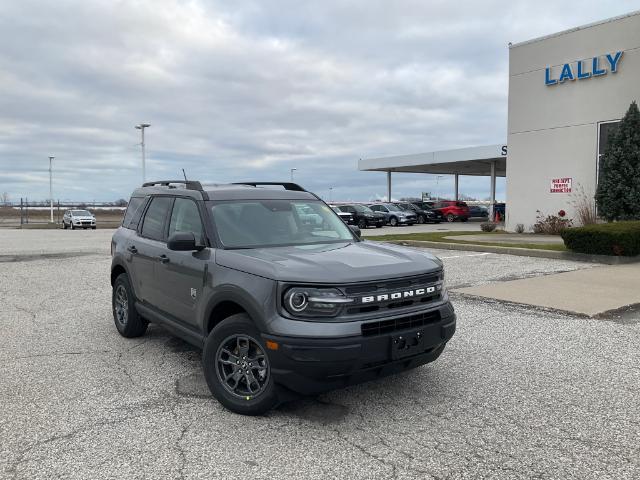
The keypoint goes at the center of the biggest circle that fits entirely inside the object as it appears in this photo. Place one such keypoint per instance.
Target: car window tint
(153, 226)
(185, 217)
(130, 215)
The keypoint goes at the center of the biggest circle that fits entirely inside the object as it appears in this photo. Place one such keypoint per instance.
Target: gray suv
(280, 306)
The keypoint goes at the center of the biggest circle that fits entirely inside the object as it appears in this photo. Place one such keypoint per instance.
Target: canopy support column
(456, 198)
(493, 191)
(388, 185)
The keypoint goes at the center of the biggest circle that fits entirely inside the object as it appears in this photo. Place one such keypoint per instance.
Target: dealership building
(567, 91)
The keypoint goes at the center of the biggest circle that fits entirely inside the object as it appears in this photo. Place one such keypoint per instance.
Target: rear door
(147, 247)
(181, 274)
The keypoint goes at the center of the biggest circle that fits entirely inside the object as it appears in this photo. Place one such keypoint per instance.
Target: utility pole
(51, 186)
(330, 194)
(438, 177)
(292, 170)
(141, 127)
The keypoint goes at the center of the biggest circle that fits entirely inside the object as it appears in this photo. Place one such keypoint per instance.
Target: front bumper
(312, 365)
(405, 220)
(375, 222)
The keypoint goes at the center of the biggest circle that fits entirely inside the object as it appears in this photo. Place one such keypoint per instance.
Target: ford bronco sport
(277, 304)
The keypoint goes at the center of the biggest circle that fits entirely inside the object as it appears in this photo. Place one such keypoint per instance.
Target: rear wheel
(451, 217)
(463, 219)
(237, 368)
(128, 322)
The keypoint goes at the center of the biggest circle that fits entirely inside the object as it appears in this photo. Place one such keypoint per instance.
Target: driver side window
(185, 217)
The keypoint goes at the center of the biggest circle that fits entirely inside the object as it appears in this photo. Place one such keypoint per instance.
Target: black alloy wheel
(362, 223)
(242, 366)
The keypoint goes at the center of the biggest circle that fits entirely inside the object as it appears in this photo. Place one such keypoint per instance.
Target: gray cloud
(239, 90)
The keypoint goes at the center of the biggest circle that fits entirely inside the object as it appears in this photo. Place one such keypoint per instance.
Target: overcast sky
(248, 90)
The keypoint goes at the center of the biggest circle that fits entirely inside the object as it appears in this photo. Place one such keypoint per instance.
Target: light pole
(330, 194)
(51, 186)
(292, 170)
(141, 127)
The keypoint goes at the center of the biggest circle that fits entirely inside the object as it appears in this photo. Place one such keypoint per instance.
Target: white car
(78, 219)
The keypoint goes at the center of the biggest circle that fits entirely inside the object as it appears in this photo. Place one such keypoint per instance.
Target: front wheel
(128, 322)
(72, 226)
(362, 223)
(237, 368)
(64, 225)
(393, 221)
(421, 219)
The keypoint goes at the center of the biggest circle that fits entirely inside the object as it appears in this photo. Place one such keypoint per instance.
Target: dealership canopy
(486, 160)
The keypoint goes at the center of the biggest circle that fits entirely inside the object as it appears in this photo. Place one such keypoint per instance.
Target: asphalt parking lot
(518, 393)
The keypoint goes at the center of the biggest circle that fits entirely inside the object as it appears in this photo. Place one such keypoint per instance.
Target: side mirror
(355, 229)
(183, 242)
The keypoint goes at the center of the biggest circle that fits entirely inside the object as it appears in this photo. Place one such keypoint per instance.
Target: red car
(453, 210)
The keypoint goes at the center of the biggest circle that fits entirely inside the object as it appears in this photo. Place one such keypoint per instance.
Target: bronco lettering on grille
(385, 297)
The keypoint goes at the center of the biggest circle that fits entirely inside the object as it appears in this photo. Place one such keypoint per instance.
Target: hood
(331, 263)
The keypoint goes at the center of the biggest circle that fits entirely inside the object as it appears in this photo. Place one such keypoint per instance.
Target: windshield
(80, 213)
(273, 223)
(362, 209)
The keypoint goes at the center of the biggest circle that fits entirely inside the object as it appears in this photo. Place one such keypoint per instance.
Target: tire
(393, 221)
(128, 322)
(217, 359)
(379, 225)
(362, 223)
(451, 218)
(421, 219)
(93, 228)
(71, 225)
(64, 225)
(464, 219)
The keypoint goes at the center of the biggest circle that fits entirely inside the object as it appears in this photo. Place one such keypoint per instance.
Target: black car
(476, 211)
(363, 215)
(424, 215)
(345, 216)
(429, 207)
(278, 305)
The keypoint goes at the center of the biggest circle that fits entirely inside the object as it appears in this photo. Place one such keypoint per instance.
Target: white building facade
(566, 93)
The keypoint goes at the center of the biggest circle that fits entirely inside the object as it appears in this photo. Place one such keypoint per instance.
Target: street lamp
(141, 127)
(51, 186)
(330, 194)
(292, 170)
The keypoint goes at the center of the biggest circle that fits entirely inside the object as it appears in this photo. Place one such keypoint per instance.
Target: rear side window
(153, 226)
(185, 217)
(132, 215)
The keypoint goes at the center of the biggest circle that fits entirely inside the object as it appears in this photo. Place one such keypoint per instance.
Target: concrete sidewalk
(590, 291)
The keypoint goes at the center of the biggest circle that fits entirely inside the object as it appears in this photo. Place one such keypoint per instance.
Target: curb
(523, 252)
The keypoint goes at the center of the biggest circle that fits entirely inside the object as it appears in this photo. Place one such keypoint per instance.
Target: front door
(181, 275)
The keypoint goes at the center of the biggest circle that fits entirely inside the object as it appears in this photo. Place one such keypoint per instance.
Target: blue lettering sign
(566, 74)
(581, 69)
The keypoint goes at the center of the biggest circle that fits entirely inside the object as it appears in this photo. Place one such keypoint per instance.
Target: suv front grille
(381, 327)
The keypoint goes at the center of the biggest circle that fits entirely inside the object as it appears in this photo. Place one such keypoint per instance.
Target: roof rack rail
(189, 185)
(287, 185)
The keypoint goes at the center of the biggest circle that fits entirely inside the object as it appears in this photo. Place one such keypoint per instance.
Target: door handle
(163, 259)
(132, 249)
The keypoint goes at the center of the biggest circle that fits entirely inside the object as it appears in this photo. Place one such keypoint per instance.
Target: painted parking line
(470, 255)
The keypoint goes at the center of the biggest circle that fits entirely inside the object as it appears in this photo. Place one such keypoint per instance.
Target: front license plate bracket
(407, 344)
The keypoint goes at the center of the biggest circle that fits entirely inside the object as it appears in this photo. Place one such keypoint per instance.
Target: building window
(605, 130)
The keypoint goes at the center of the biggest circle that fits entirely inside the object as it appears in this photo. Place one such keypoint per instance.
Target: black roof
(228, 191)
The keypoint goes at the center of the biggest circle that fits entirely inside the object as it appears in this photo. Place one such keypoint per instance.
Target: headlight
(314, 302)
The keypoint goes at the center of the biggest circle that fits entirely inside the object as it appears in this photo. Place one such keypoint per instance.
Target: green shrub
(620, 238)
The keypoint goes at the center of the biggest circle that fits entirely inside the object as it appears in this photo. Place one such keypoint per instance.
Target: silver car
(78, 219)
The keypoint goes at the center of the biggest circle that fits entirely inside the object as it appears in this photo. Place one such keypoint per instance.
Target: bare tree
(5, 198)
